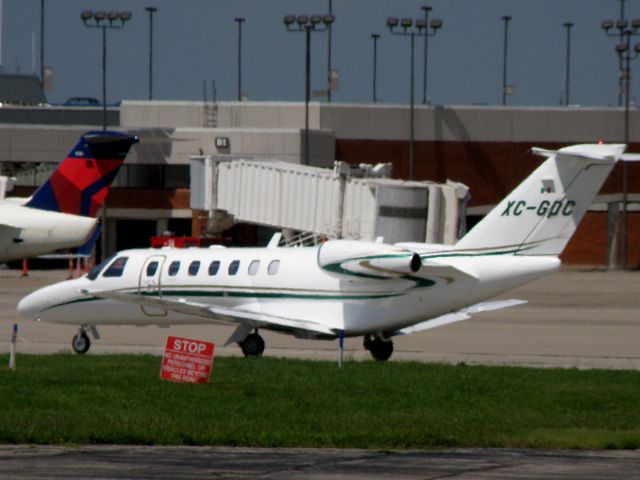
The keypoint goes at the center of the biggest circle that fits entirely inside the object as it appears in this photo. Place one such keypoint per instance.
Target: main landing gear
(380, 349)
(81, 342)
(252, 345)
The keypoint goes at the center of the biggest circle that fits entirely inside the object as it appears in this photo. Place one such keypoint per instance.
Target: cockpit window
(95, 271)
(116, 269)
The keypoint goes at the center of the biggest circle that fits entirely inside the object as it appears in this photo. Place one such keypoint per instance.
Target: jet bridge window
(234, 267)
(254, 266)
(152, 268)
(273, 267)
(116, 269)
(194, 267)
(214, 266)
(173, 268)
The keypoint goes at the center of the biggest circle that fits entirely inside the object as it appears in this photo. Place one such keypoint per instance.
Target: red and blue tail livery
(82, 181)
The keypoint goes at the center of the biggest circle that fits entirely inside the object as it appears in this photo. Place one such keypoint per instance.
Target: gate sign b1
(187, 360)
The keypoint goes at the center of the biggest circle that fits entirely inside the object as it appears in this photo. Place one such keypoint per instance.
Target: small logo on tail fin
(82, 181)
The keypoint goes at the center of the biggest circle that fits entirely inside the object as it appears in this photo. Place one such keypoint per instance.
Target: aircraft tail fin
(82, 181)
(542, 213)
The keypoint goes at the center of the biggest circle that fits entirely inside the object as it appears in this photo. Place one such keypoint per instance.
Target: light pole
(412, 29)
(567, 68)
(375, 37)
(42, 44)
(307, 24)
(329, 53)
(506, 20)
(103, 21)
(239, 21)
(625, 55)
(427, 34)
(620, 62)
(151, 11)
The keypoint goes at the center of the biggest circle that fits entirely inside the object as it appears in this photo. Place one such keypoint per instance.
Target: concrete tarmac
(574, 318)
(124, 462)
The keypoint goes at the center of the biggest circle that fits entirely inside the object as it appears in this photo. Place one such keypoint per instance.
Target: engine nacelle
(367, 259)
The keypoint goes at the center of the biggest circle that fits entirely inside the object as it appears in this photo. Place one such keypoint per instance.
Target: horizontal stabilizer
(460, 315)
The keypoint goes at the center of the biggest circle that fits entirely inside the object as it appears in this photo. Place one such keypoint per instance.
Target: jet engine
(367, 259)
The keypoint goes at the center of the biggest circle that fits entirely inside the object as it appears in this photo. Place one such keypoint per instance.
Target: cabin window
(194, 267)
(254, 266)
(116, 269)
(214, 266)
(234, 267)
(174, 267)
(152, 268)
(273, 267)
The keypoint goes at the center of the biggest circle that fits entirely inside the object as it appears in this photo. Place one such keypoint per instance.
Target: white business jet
(61, 213)
(342, 288)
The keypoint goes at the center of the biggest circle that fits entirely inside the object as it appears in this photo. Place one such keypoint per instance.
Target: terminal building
(486, 149)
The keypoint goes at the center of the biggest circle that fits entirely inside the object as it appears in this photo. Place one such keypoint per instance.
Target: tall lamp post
(103, 21)
(412, 29)
(329, 53)
(151, 11)
(239, 21)
(567, 67)
(427, 9)
(42, 44)
(625, 55)
(307, 24)
(375, 37)
(505, 46)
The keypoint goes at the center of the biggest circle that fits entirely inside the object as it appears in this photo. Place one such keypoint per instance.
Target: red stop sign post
(187, 360)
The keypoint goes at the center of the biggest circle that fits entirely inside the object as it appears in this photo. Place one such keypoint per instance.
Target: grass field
(269, 402)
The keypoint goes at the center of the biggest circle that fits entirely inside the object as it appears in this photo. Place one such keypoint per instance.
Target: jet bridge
(354, 202)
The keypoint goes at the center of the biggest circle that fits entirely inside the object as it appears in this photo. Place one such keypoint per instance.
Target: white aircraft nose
(31, 305)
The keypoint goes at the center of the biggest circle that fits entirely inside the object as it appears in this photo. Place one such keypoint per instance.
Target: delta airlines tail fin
(82, 181)
(542, 213)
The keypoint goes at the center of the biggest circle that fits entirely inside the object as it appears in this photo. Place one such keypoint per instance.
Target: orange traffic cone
(25, 268)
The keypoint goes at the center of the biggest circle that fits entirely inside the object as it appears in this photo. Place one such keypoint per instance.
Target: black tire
(253, 345)
(81, 343)
(380, 350)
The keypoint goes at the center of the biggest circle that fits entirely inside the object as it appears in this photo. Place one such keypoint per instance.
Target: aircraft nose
(31, 305)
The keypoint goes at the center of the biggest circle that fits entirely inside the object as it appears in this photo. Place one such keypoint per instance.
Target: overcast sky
(196, 40)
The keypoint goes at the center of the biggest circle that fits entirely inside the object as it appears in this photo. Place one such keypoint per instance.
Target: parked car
(82, 102)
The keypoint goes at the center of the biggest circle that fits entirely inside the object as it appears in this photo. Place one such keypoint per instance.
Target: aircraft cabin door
(150, 284)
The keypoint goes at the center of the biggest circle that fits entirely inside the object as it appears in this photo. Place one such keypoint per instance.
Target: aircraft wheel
(81, 343)
(253, 345)
(380, 350)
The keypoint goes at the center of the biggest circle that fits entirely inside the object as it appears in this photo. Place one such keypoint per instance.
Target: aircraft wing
(220, 313)
(460, 315)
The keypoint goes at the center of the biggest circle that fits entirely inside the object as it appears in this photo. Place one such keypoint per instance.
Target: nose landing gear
(81, 342)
